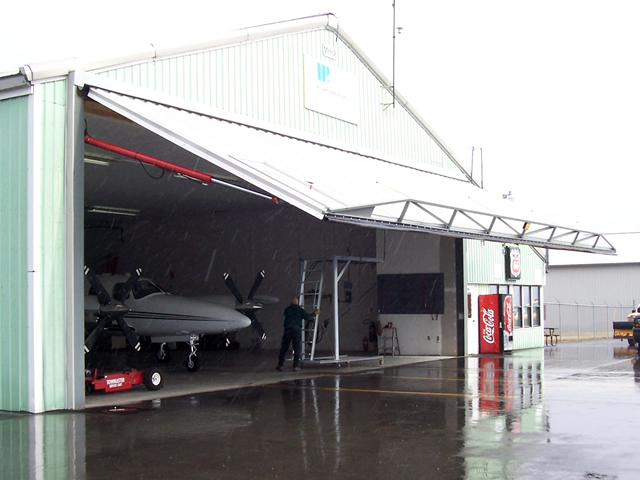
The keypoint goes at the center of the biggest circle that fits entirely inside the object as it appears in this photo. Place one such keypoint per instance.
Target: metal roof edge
(45, 70)
(12, 82)
(585, 265)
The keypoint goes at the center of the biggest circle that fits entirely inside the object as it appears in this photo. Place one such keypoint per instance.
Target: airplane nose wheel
(193, 362)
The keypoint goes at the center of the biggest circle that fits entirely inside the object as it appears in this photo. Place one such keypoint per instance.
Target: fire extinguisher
(365, 343)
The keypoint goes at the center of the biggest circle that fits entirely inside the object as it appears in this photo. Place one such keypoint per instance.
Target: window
(411, 294)
(144, 288)
(526, 304)
(499, 289)
(517, 307)
(526, 307)
(535, 305)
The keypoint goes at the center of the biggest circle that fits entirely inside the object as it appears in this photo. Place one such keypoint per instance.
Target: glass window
(535, 305)
(503, 289)
(526, 307)
(517, 307)
(144, 288)
(493, 289)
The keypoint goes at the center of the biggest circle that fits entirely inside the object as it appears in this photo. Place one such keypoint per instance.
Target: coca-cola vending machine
(496, 323)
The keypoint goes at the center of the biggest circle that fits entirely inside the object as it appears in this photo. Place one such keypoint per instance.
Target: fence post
(560, 318)
(578, 318)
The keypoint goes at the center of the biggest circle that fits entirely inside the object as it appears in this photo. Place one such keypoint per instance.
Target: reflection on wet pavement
(557, 412)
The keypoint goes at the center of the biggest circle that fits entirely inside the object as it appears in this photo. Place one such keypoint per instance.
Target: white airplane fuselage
(157, 313)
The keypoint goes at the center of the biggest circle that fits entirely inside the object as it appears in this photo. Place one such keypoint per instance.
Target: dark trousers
(291, 335)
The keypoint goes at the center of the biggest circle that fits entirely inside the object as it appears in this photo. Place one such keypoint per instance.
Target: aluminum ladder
(310, 295)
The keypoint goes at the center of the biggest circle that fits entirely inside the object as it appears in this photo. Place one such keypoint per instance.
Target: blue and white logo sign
(331, 91)
(323, 73)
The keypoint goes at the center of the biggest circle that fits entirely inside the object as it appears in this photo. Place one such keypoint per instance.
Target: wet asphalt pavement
(558, 412)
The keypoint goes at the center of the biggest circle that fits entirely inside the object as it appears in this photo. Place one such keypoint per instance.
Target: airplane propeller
(250, 305)
(111, 309)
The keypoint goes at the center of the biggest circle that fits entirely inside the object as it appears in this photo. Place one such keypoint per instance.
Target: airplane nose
(245, 321)
(239, 320)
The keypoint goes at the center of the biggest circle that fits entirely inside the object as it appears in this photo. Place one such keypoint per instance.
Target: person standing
(294, 315)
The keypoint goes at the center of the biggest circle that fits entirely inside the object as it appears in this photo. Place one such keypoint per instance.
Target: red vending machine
(496, 323)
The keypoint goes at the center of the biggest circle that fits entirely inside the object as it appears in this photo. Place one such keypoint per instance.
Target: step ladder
(309, 298)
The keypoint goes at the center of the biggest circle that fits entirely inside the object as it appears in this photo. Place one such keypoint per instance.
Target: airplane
(164, 318)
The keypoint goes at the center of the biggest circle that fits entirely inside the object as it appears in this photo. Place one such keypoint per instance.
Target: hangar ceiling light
(129, 212)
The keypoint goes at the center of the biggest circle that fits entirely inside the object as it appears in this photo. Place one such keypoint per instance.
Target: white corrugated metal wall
(265, 80)
(584, 300)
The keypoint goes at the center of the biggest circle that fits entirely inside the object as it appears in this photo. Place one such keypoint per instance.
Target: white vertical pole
(34, 255)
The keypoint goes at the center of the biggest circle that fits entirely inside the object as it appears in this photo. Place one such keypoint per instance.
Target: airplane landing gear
(162, 354)
(193, 362)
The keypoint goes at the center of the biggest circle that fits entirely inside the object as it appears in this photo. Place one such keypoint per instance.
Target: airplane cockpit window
(142, 289)
(145, 288)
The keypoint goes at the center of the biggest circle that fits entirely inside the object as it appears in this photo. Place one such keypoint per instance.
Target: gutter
(40, 71)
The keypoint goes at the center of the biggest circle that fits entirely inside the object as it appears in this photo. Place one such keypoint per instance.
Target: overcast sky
(548, 89)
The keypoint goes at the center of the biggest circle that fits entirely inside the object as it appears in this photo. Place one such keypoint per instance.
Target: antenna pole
(472, 150)
(393, 80)
(481, 170)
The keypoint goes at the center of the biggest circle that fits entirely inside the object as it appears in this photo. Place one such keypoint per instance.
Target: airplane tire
(193, 363)
(153, 379)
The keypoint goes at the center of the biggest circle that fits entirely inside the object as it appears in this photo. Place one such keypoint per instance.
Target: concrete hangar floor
(553, 412)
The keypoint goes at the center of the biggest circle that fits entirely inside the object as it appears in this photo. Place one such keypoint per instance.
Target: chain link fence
(584, 321)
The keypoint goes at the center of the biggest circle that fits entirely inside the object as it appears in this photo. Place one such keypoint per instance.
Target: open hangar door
(186, 235)
(334, 184)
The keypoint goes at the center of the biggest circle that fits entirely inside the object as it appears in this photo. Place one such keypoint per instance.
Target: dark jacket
(293, 316)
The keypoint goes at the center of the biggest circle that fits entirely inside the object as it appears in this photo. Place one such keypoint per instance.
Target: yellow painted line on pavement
(397, 392)
(501, 380)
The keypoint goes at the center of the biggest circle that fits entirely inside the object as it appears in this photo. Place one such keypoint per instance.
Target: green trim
(14, 380)
(53, 107)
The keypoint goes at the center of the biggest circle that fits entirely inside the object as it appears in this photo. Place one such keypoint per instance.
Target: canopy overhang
(341, 184)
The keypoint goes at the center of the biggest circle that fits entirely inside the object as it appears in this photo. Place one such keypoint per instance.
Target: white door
(471, 330)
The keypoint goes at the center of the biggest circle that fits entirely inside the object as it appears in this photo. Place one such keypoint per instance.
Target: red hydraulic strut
(148, 159)
(187, 172)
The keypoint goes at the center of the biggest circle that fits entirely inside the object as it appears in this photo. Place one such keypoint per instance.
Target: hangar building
(314, 157)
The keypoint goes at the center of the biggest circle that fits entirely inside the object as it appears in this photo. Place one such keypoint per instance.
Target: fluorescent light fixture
(97, 159)
(130, 212)
(94, 161)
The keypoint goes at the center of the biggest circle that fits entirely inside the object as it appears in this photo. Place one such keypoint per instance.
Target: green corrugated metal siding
(485, 259)
(264, 80)
(485, 265)
(13, 254)
(53, 104)
(530, 337)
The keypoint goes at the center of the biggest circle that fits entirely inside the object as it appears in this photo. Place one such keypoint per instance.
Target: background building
(585, 294)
